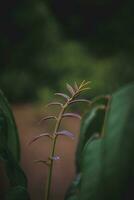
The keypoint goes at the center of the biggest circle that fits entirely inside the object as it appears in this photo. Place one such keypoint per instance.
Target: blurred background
(46, 43)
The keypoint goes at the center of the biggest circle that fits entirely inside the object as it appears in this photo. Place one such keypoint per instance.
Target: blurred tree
(107, 25)
(28, 33)
(47, 42)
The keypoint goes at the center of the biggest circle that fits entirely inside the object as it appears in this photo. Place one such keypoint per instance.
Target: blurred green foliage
(10, 155)
(47, 43)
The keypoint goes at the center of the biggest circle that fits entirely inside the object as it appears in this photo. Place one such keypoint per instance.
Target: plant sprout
(74, 91)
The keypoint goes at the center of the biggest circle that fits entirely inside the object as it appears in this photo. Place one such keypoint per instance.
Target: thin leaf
(46, 162)
(46, 118)
(71, 115)
(63, 95)
(80, 100)
(88, 82)
(55, 103)
(81, 85)
(66, 133)
(76, 86)
(88, 88)
(39, 136)
(70, 89)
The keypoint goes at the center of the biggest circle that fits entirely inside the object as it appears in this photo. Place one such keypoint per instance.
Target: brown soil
(27, 117)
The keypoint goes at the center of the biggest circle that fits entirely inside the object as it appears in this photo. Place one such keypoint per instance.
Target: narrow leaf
(88, 82)
(80, 100)
(46, 162)
(46, 118)
(66, 133)
(70, 89)
(71, 115)
(81, 85)
(63, 95)
(55, 103)
(39, 136)
(88, 88)
(76, 86)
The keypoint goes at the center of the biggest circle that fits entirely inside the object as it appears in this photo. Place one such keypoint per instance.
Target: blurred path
(27, 118)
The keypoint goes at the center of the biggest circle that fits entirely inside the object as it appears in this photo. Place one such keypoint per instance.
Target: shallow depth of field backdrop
(46, 43)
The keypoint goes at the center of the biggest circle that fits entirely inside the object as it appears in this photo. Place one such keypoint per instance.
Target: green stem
(48, 187)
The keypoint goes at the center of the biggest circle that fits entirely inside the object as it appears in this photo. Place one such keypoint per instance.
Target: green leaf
(73, 192)
(8, 130)
(90, 187)
(118, 145)
(17, 193)
(14, 172)
(92, 123)
(3, 130)
(108, 163)
(10, 150)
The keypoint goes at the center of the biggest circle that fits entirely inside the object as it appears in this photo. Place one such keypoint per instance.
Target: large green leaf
(14, 172)
(90, 186)
(108, 163)
(91, 125)
(10, 153)
(118, 145)
(8, 130)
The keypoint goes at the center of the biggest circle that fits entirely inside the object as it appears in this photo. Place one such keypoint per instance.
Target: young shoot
(73, 98)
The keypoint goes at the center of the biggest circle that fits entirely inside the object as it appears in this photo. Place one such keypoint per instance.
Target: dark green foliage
(10, 153)
(17, 193)
(107, 164)
(3, 137)
(105, 26)
(25, 43)
(48, 42)
(14, 172)
(8, 130)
